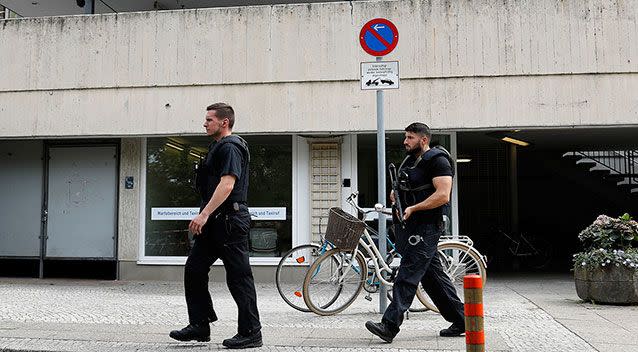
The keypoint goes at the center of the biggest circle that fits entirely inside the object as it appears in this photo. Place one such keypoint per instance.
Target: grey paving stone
(67, 315)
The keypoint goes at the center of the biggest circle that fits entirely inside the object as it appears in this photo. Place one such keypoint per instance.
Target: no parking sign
(379, 37)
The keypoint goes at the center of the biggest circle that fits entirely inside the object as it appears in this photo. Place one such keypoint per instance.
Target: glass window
(171, 198)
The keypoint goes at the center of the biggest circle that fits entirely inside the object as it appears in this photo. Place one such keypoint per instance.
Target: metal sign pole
(381, 190)
(378, 37)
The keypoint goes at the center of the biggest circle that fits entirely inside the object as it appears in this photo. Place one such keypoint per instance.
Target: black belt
(231, 207)
(416, 220)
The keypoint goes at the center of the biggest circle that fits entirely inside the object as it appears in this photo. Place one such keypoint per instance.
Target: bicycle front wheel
(291, 272)
(458, 260)
(334, 281)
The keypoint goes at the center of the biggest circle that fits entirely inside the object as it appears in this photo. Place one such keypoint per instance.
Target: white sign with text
(380, 75)
(267, 213)
(256, 213)
(174, 213)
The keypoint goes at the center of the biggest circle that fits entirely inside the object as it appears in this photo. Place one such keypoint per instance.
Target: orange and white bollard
(473, 292)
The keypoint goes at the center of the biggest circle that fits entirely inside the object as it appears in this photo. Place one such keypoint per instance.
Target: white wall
(294, 68)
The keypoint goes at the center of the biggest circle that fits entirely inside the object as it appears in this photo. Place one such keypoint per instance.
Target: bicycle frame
(370, 249)
(367, 243)
(370, 244)
(516, 247)
(380, 265)
(529, 244)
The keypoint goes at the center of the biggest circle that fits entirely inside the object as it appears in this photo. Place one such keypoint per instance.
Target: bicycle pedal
(368, 298)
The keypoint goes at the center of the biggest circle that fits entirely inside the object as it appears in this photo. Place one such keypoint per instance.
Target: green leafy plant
(609, 241)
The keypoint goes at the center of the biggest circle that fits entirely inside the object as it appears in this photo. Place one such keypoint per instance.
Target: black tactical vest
(206, 181)
(413, 186)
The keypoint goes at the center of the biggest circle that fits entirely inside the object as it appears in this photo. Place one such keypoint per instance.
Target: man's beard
(414, 151)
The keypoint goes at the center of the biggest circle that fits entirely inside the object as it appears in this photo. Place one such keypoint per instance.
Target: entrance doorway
(59, 209)
(80, 210)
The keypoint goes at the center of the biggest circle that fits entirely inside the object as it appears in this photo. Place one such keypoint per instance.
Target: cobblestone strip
(52, 345)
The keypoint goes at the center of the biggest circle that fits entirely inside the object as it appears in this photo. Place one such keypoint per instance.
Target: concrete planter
(608, 285)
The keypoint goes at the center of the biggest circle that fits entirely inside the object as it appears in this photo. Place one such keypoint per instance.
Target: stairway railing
(620, 162)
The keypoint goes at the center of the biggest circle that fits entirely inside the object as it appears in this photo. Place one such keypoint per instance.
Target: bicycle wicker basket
(343, 230)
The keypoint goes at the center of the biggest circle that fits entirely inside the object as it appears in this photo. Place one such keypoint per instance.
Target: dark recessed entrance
(544, 193)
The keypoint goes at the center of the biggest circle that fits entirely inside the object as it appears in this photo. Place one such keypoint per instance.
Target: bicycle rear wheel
(334, 281)
(291, 272)
(458, 260)
(541, 253)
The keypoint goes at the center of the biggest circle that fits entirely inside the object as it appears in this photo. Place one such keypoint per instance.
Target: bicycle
(335, 279)
(293, 266)
(339, 267)
(537, 252)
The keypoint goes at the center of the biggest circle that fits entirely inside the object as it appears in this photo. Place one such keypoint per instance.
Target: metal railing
(620, 163)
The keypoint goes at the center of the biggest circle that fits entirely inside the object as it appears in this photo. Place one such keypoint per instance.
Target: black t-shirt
(222, 160)
(422, 174)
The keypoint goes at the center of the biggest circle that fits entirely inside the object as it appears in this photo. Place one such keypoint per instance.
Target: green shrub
(609, 241)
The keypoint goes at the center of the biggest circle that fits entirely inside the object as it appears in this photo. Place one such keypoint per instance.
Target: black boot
(385, 332)
(456, 329)
(244, 341)
(193, 332)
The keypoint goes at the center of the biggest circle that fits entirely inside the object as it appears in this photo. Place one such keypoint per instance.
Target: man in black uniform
(426, 183)
(221, 232)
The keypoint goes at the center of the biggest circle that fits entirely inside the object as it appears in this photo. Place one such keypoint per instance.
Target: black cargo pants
(420, 263)
(224, 237)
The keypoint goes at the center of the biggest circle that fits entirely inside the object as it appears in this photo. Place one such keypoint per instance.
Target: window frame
(144, 259)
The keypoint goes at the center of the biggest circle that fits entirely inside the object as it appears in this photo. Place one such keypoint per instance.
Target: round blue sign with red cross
(379, 37)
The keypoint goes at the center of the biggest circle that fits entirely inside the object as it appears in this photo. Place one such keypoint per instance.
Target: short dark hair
(223, 111)
(420, 129)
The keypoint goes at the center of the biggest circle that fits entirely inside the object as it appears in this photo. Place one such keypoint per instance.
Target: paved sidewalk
(540, 313)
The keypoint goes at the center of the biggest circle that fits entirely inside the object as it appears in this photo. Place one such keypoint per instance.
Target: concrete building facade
(136, 85)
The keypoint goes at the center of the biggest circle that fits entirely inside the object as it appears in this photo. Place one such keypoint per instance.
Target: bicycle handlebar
(351, 200)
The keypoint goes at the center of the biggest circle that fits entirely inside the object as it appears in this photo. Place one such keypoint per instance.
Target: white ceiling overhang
(37, 8)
